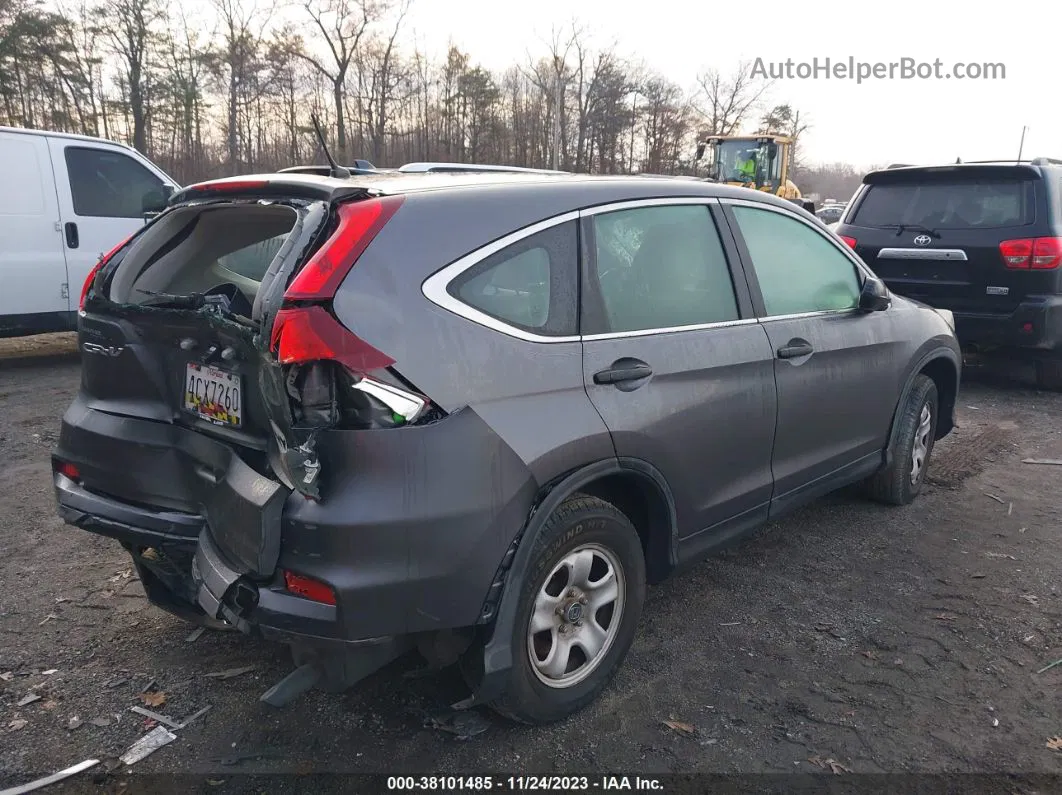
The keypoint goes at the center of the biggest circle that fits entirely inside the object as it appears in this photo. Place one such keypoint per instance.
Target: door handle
(616, 375)
(794, 350)
(71, 235)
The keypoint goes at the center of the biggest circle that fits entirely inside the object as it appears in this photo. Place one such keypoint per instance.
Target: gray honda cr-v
(478, 414)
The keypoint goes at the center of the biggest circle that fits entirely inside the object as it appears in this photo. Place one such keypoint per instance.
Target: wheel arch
(635, 487)
(943, 366)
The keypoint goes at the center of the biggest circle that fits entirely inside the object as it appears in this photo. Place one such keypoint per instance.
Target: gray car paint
(418, 520)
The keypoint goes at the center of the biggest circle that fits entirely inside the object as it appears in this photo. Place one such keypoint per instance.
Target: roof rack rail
(899, 165)
(1046, 161)
(457, 168)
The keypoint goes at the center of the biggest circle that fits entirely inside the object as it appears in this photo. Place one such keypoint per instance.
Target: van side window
(107, 184)
(531, 285)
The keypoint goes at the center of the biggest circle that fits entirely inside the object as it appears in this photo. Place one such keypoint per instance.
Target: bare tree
(726, 101)
(132, 27)
(342, 25)
(381, 74)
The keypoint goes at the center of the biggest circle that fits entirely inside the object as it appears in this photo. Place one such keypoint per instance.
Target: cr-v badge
(103, 350)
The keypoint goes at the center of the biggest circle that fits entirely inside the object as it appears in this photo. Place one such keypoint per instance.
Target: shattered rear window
(201, 248)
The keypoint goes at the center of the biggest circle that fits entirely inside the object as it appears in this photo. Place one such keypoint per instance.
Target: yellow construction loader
(760, 162)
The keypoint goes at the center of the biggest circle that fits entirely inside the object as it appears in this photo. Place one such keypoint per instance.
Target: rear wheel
(578, 611)
(902, 480)
(1049, 374)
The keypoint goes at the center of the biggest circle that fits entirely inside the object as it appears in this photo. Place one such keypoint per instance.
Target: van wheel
(901, 481)
(1049, 374)
(578, 611)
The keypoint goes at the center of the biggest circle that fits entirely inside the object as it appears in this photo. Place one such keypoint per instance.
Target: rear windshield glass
(981, 204)
(198, 249)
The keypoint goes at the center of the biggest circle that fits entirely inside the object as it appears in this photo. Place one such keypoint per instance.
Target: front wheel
(578, 611)
(902, 480)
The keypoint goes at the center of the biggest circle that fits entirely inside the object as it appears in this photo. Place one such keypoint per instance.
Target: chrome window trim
(860, 266)
(637, 204)
(435, 286)
(941, 254)
(614, 335)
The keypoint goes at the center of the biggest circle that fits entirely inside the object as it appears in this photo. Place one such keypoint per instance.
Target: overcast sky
(876, 122)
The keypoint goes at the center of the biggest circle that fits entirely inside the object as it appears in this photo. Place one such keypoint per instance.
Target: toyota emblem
(923, 240)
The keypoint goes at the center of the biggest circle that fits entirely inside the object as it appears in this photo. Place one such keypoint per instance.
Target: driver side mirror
(875, 296)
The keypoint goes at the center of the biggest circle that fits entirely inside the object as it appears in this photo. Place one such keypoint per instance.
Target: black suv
(983, 240)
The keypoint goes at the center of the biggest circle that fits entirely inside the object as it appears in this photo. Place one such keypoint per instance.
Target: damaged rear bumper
(406, 545)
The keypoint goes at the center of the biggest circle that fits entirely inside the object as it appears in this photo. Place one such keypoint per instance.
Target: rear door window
(660, 268)
(108, 184)
(531, 285)
(967, 204)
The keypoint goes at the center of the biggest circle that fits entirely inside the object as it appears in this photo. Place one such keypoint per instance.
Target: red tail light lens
(309, 588)
(66, 469)
(309, 334)
(849, 241)
(359, 223)
(1016, 253)
(1039, 253)
(96, 269)
(1047, 253)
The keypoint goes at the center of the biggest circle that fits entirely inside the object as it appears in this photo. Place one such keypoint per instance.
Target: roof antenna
(337, 172)
(1021, 147)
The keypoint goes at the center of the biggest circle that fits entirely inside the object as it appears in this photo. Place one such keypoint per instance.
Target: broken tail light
(307, 334)
(309, 588)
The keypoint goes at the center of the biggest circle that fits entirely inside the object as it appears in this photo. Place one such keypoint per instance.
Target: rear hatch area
(949, 236)
(180, 409)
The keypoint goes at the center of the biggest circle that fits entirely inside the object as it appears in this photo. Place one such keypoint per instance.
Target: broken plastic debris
(196, 633)
(17, 723)
(679, 726)
(229, 673)
(1046, 461)
(464, 724)
(147, 745)
(50, 671)
(73, 723)
(54, 778)
(147, 713)
(29, 698)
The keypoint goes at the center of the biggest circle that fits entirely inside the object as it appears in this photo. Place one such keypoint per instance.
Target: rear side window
(967, 204)
(106, 184)
(660, 268)
(531, 285)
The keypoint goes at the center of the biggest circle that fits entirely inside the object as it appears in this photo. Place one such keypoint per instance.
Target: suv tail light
(97, 268)
(850, 241)
(306, 331)
(1040, 253)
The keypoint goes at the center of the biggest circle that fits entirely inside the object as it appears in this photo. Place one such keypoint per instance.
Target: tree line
(237, 96)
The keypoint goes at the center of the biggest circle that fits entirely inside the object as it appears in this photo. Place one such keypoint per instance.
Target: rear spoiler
(906, 174)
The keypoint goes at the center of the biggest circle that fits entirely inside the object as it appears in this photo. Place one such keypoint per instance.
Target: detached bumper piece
(225, 594)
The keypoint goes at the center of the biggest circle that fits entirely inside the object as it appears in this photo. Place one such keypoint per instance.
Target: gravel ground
(849, 638)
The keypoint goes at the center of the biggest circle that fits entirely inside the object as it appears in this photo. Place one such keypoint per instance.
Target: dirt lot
(904, 640)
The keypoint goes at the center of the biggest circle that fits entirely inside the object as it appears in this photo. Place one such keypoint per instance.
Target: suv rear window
(966, 204)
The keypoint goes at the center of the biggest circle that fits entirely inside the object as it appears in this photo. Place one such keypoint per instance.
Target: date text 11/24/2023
(523, 784)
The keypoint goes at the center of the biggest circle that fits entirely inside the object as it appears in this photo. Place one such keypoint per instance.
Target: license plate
(213, 395)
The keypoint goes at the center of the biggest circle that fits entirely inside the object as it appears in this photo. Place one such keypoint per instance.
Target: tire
(900, 483)
(1049, 374)
(583, 536)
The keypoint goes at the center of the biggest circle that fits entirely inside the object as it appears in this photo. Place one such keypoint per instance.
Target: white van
(67, 201)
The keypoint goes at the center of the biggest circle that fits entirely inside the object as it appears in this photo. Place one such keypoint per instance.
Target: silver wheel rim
(576, 616)
(920, 449)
